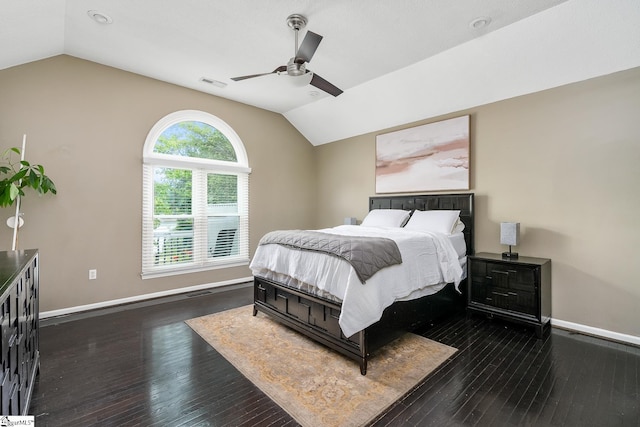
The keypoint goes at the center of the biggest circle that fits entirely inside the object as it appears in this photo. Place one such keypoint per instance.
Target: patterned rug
(315, 385)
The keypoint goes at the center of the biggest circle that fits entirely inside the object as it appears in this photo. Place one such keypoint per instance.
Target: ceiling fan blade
(277, 70)
(324, 85)
(237, 79)
(308, 47)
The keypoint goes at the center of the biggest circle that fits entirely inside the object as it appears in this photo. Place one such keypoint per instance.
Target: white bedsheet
(429, 261)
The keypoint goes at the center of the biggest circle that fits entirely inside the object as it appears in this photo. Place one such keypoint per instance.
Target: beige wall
(565, 164)
(561, 162)
(87, 124)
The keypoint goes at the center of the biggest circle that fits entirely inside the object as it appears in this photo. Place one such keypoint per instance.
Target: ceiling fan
(297, 66)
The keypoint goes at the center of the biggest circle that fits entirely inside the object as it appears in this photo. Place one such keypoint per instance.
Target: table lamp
(509, 235)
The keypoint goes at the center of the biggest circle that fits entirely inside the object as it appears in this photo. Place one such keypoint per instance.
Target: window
(195, 196)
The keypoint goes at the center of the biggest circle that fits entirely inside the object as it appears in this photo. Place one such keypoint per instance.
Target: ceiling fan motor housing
(295, 69)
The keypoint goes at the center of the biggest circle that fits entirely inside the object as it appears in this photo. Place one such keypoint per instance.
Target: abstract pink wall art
(431, 157)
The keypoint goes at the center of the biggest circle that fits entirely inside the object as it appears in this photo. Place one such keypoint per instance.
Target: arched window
(195, 213)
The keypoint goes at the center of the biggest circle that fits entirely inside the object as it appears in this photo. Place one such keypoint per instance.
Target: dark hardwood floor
(142, 365)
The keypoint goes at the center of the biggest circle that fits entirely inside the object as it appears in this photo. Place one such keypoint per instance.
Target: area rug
(315, 385)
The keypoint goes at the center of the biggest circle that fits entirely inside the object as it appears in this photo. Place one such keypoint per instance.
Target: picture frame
(429, 157)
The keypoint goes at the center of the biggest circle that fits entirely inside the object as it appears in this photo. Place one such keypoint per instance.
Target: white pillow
(386, 218)
(440, 221)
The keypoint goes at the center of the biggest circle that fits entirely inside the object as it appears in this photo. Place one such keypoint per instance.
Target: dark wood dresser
(19, 346)
(516, 289)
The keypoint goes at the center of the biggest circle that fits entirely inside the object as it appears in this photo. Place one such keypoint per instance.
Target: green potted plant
(15, 176)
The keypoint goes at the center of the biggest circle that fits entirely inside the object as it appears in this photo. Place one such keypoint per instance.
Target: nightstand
(517, 290)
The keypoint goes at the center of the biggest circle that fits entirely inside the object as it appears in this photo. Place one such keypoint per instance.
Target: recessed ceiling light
(480, 22)
(99, 17)
(213, 82)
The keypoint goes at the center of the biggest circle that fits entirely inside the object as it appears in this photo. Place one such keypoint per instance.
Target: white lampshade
(509, 233)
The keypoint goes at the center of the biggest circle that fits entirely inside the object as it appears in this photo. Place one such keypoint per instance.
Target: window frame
(200, 167)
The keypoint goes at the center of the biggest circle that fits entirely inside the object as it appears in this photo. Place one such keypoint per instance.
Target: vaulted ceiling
(397, 61)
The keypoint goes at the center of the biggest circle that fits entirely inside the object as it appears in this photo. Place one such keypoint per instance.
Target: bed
(317, 312)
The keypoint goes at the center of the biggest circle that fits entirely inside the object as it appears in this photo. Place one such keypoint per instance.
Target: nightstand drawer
(524, 302)
(502, 297)
(508, 276)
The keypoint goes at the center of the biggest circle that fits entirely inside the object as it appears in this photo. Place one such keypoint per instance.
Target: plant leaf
(13, 191)
(18, 176)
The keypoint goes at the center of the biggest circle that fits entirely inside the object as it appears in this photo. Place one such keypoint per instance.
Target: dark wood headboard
(424, 202)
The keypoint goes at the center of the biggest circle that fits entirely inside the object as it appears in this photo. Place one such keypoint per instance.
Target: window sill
(187, 270)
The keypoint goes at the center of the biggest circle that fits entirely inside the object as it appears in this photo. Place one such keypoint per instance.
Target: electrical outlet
(93, 274)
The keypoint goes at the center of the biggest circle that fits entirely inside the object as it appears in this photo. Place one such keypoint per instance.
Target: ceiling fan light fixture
(301, 80)
(100, 17)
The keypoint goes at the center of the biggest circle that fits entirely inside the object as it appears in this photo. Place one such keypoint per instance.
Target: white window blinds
(195, 197)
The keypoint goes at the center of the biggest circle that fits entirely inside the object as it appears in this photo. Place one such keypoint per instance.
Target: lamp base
(510, 255)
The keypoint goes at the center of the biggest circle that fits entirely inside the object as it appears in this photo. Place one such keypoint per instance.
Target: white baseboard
(577, 327)
(138, 298)
(602, 333)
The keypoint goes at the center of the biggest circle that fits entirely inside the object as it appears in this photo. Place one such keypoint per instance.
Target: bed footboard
(315, 317)
(318, 318)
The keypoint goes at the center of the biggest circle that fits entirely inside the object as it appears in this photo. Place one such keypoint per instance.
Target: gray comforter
(367, 255)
